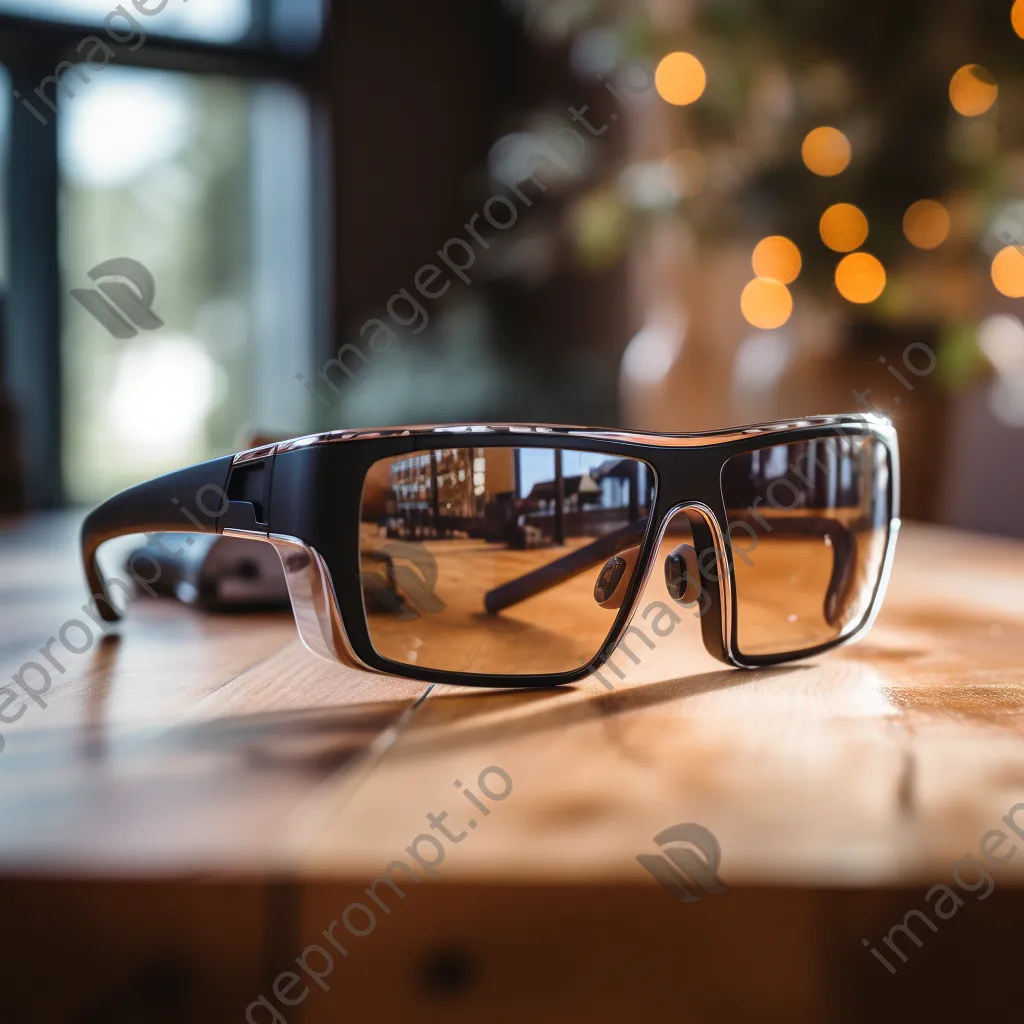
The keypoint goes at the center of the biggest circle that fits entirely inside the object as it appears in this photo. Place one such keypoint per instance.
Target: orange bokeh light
(843, 227)
(972, 90)
(766, 303)
(1017, 18)
(1008, 272)
(860, 277)
(680, 79)
(926, 224)
(777, 257)
(826, 151)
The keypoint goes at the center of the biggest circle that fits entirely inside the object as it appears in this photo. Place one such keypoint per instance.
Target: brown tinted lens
(499, 561)
(809, 523)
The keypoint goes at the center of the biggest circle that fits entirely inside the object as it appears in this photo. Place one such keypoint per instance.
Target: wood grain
(214, 749)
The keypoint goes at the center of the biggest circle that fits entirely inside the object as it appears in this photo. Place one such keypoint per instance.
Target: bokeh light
(691, 170)
(761, 360)
(860, 277)
(766, 303)
(926, 224)
(777, 257)
(163, 390)
(1017, 18)
(680, 79)
(1001, 339)
(973, 90)
(843, 227)
(826, 151)
(599, 222)
(1008, 272)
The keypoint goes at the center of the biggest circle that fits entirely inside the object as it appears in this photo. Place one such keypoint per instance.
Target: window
(204, 183)
(292, 25)
(224, 21)
(196, 183)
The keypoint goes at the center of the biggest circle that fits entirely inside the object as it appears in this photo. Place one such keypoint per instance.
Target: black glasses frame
(304, 496)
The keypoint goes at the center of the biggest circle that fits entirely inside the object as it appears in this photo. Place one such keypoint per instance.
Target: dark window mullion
(34, 299)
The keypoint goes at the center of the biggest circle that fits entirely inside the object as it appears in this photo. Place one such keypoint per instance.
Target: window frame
(30, 49)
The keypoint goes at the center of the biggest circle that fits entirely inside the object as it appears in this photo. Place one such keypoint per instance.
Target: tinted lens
(809, 523)
(499, 561)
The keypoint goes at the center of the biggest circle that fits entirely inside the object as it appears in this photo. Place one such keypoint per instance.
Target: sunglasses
(515, 555)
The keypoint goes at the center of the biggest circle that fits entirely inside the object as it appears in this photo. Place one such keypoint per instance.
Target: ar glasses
(514, 555)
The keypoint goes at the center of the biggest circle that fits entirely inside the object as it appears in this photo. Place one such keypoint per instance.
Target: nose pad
(682, 575)
(613, 580)
(841, 584)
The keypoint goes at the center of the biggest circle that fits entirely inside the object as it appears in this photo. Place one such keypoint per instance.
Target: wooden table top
(210, 744)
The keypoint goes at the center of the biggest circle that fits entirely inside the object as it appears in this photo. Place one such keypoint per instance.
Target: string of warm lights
(860, 278)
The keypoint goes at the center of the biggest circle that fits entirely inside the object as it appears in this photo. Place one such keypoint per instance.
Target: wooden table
(200, 799)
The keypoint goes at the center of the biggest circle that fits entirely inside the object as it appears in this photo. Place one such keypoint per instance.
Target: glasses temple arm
(189, 500)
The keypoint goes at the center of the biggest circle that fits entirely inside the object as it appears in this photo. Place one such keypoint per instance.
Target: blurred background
(673, 215)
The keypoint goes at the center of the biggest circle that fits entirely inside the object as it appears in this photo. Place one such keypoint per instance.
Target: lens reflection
(499, 560)
(809, 523)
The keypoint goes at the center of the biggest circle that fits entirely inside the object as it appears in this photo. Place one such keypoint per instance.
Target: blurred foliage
(879, 71)
(960, 362)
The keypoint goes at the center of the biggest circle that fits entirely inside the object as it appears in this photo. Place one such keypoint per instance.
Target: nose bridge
(689, 478)
(690, 486)
(709, 539)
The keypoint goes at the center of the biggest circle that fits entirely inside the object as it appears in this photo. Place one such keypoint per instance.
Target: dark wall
(420, 94)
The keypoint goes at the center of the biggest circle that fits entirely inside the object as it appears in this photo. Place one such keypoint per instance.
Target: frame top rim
(667, 440)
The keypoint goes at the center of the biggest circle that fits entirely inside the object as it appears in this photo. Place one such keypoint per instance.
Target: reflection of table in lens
(199, 800)
(557, 631)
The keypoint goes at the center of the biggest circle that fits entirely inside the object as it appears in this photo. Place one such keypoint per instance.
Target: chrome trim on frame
(476, 430)
(888, 434)
(312, 598)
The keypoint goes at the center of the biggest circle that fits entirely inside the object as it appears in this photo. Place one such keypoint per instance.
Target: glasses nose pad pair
(682, 575)
(613, 580)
